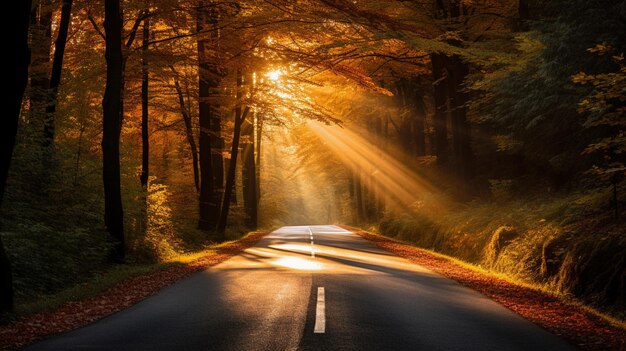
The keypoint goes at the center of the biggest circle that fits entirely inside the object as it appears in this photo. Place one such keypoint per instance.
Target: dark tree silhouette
(41, 39)
(207, 80)
(232, 166)
(57, 67)
(145, 141)
(17, 78)
(248, 170)
(184, 112)
(111, 128)
(441, 108)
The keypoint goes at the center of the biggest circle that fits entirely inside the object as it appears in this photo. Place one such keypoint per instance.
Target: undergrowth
(568, 244)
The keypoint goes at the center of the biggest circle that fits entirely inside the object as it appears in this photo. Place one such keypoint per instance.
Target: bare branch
(95, 25)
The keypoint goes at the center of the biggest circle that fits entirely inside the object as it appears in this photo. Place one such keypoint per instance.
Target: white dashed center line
(312, 245)
(320, 313)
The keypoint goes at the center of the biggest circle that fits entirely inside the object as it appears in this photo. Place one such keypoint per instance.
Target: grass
(110, 277)
(97, 284)
(565, 298)
(566, 245)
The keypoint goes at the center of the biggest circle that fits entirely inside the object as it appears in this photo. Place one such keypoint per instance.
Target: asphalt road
(312, 288)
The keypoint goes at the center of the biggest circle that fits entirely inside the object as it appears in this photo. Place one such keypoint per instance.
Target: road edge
(574, 323)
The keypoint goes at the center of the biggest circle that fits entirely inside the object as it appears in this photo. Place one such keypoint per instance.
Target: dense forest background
(489, 130)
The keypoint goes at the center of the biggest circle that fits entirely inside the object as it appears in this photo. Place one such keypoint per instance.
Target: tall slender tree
(207, 81)
(258, 119)
(111, 127)
(419, 124)
(215, 120)
(440, 117)
(232, 167)
(145, 140)
(41, 40)
(57, 67)
(449, 73)
(184, 112)
(461, 132)
(248, 168)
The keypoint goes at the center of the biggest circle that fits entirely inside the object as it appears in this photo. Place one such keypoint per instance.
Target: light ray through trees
(400, 185)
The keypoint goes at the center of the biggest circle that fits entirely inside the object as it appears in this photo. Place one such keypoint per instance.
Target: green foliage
(605, 106)
(65, 256)
(534, 99)
(51, 221)
(107, 278)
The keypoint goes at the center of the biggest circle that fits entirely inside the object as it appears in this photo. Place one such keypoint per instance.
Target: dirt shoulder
(75, 314)
(574, 323)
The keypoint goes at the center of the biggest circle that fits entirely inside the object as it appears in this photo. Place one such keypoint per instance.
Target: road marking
(312, 245)
(320, 313)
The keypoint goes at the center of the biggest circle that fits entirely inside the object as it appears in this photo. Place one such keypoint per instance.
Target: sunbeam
(398, 182)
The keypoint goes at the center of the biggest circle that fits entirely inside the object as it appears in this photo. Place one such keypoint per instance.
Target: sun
(274, 75)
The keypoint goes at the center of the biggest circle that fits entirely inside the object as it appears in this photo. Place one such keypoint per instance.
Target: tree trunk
(57, 67)
(523, 11)
(248, 172)
(233, 192)
(217, 142)
(188, 129)
(232, 166)
(441, 108)
(406, 116)
(351, 196)
(112, 118)
(615, 199)
(452, 71)
(16, 81)
(259, 134)
(418, 127)
(209, 198)
(359, 195)
(145, 141)
(461, 137)
(41, 19)
(218, 158)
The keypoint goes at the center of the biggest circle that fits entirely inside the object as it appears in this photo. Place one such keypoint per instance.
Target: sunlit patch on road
(297, 263)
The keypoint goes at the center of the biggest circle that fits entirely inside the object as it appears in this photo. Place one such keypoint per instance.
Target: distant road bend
(312, 288)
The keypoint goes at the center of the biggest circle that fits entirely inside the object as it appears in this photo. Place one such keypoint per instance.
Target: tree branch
(95, 25)
(133, 31)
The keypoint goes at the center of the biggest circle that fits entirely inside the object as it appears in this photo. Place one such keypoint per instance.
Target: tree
(232, 166)
(208, 80)
(145, 140)
(441, 109)
(605, 107)
(57, 67)
(189, 133)
(248, 169)
(111, 128)
(41, 38)
(17, 79)
(450, 72)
